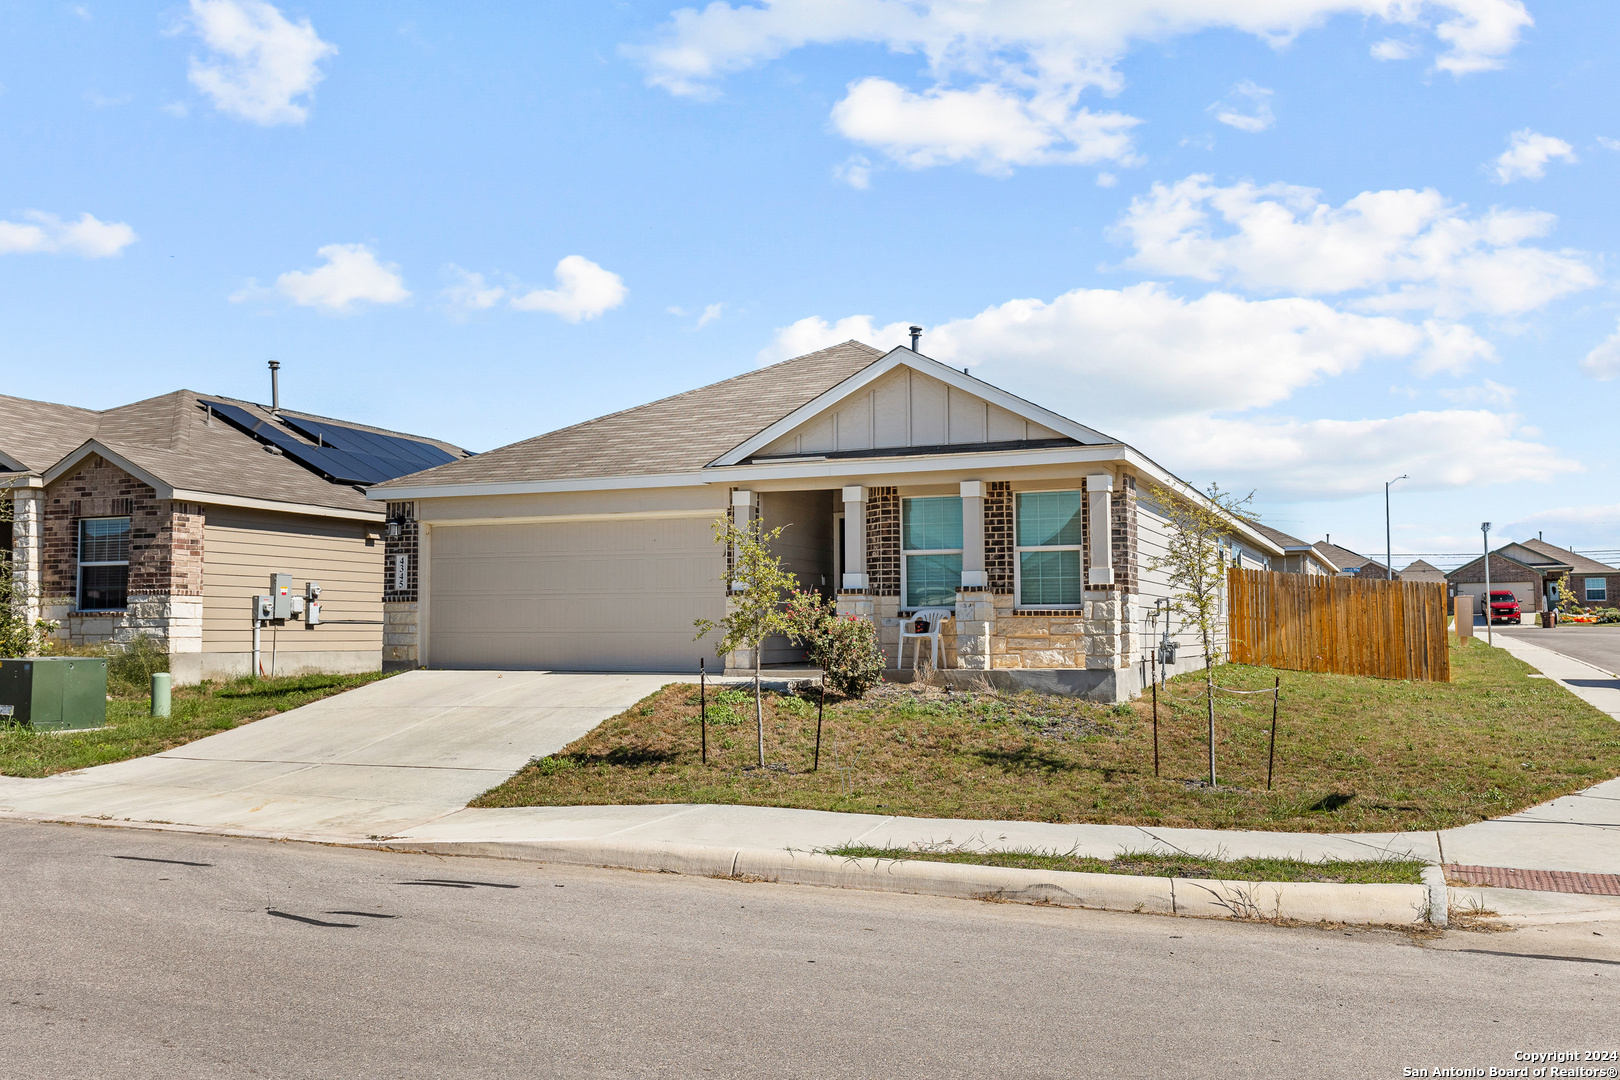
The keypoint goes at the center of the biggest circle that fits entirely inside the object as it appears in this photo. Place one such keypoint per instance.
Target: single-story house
(163, 518)
(1420, 570)
(1351, 563)
(1299, 556)
(1532, 569)
(902, 484)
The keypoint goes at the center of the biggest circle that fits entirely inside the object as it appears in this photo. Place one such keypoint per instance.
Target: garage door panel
(606, 596)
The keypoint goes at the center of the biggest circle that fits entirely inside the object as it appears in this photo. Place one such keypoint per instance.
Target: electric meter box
(54, 693)
(281, 598)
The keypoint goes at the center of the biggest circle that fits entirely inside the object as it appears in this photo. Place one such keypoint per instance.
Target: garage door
(574, 596)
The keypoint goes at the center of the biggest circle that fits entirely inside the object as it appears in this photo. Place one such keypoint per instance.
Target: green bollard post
(161, 683)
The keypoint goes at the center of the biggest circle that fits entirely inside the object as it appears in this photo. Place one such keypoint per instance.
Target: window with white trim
(1047, 532)
(103, 564)
(1597, 590)
(930, 551)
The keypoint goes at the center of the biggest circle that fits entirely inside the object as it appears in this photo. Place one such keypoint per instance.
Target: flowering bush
(844, 647)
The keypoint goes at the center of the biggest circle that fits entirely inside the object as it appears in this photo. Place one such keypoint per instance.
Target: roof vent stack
(916, 336)
(275, 386)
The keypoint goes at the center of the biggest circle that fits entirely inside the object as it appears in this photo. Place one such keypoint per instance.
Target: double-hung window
(103, 564)
(1047, 531)
(931, 551)
(1597, 590)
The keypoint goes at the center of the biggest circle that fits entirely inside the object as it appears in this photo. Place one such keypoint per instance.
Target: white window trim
(78, 573)
(906, 553)
(1602, 590)
(1019, 549)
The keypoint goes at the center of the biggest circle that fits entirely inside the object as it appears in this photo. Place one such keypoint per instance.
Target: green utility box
(54, 693)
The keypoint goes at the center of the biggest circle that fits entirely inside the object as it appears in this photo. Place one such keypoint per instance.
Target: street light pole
(1389, 550)
(1485, 531)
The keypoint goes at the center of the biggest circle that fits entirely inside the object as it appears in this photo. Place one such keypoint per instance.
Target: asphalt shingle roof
(171, 438)
(676, 434)
(1579, 564)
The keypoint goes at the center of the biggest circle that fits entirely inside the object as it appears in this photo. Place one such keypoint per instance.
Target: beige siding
(242, 548)
(907, 408)
(1152, 532)
(596, 595)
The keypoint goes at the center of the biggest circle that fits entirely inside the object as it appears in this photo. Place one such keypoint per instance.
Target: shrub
(844, 647)
(1609, 615)
(130, 668)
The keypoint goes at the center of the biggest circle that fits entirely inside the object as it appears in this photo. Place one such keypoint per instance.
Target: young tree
(1195, 564)
(1568, 602)
(756, 585)
(20, 635)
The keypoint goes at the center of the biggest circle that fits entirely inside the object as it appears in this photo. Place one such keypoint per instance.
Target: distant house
(1299, 556)
(1418, 570)
(1350, 563)
(1533, 569)
(163, 518)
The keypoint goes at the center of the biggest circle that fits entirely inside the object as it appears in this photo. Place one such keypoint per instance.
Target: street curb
(1439, 913)
(1301, 901)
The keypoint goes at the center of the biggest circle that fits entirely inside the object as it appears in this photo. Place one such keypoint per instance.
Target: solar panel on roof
(396, 453)
(336, 463)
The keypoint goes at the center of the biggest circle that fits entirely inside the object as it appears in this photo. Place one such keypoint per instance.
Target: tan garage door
(574, 596)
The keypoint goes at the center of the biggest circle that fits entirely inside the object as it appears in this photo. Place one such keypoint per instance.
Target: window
(103, 564)
(1597, 590)
(931, 551)
(1047, 529)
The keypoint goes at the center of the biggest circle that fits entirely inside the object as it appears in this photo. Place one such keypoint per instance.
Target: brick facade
(408, 547)
(165, 538)
(998, 537)
(1122, 536)
(883, 541)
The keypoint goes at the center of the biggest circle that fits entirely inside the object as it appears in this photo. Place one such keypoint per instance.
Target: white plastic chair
(908, 631)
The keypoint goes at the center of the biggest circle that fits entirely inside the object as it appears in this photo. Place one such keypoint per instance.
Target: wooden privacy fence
(1348, 626)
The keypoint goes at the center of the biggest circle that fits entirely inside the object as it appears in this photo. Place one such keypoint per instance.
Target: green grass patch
(1353, 753)
(196, 712)
(1158, 864)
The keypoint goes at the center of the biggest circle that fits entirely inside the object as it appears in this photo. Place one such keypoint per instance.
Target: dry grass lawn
(1353, 754)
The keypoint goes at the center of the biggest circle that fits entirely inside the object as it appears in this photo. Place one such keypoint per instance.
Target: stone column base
(975, 622)
(401, 635)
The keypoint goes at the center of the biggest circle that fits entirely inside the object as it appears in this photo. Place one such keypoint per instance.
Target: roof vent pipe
(916, 336)
(275, 386)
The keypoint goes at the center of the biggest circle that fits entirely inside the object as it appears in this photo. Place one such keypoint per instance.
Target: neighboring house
(1299, 556)
(1596, 584)
(1419, 570)
(1351, 563)
(902, 484)
(1532, 570)
(164, 518)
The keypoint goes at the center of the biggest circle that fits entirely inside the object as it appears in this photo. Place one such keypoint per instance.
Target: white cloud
(1393, 49)
(1487, 393)
(1608, 143)
(584, 291)
(177, 109)
(1527, 156)
(1141, 349)
(991, 127)
(856, 172)
(260, 63)
(351, 274)
(1403, 250)
(1007, 76)
(1603, 362)
(1327, 459)
(471, 292)
(42, 233)
(710, 313)
(1253, 114)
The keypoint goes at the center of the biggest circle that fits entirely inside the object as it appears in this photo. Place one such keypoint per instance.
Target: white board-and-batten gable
(912, 402)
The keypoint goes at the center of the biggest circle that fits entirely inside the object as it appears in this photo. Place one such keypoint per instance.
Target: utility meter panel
(263, 607)
(281, 596)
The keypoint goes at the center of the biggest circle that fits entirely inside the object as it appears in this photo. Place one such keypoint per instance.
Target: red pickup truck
(1504, 607)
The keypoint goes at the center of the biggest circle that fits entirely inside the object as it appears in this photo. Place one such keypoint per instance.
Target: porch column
(973, 534)
(742, 512)
(854, 537)
(1099, 488)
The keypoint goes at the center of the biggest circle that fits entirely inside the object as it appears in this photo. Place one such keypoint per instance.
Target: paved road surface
(116, 964)
(1598, 645)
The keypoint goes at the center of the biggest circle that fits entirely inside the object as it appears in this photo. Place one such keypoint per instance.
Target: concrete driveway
(373, 761)
(1595, 645)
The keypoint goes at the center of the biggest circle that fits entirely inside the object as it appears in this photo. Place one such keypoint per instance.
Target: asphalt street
(1596, 645)
(148, 954)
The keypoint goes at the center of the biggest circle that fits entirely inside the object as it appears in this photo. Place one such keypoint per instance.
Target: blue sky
(1299, 246)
